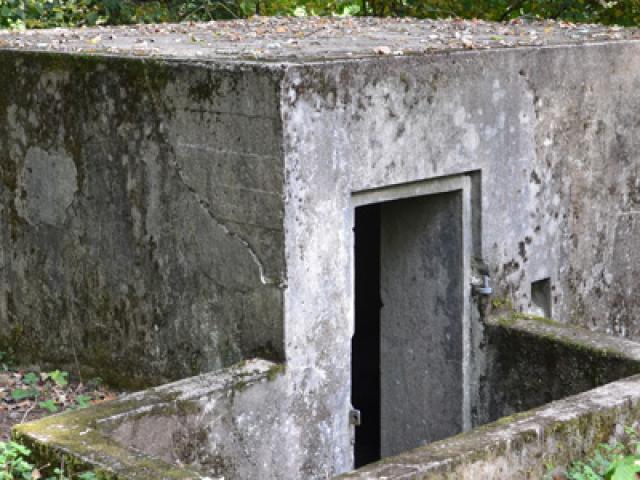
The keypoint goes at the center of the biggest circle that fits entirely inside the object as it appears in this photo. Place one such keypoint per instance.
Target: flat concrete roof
(307, 39)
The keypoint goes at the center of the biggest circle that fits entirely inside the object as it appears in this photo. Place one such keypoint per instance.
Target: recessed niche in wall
(541, 298)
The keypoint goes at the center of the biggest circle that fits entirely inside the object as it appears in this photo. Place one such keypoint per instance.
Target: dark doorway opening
(407, 348)
(365, 373)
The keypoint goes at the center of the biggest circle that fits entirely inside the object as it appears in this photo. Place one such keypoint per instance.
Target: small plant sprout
(30, 379)
(23, 393)
(59, 377)
(49, 405)
(83, 401)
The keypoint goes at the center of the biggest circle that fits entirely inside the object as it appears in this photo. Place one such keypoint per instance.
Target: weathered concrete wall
(551, 137)
(533, 361)
(242, 422)
(552, 141)
(523, 445)
(141, 215)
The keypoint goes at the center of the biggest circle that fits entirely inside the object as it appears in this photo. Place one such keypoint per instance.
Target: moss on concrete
(73, 438)
(534, 360)
(85, 439)
(501, 303)
(521, 445)
(275, 371)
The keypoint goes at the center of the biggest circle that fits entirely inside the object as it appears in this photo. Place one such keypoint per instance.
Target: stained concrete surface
(198, 428)
(45, 201)
(421, 321)
(534, 361)
(141, 219)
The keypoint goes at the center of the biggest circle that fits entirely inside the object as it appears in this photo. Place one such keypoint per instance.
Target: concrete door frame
(455, 183)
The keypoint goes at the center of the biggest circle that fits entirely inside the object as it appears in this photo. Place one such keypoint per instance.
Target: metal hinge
(482, 287)
(355, 418)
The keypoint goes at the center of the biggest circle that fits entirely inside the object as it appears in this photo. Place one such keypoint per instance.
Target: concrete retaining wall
(521, 446)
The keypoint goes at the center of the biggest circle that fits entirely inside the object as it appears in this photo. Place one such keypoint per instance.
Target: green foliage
(83, 401)
(15, 464)
(34, 390)
(30, 379)
(624, 469)
(53, 13)
(51, 391)
(213, 9)
(49, 405)
(624, 12)
(44, 386)
(68, 13)
(616, 461)
(23, 393)
(87, 476)
(59, 377)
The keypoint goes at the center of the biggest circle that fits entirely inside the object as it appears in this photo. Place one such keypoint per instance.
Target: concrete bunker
(217, 183)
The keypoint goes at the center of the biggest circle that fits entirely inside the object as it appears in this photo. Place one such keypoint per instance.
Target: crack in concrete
(264, 279)
(225, 151)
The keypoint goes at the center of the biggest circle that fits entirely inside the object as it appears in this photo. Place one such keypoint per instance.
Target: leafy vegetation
(26, 394)
(22, 391)
(53, 13)
(47, 390)
(67, 13)
(15, 464)
(616, 461)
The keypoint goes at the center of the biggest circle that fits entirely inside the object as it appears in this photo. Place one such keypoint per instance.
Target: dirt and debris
(28, 394)
(310, 38)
